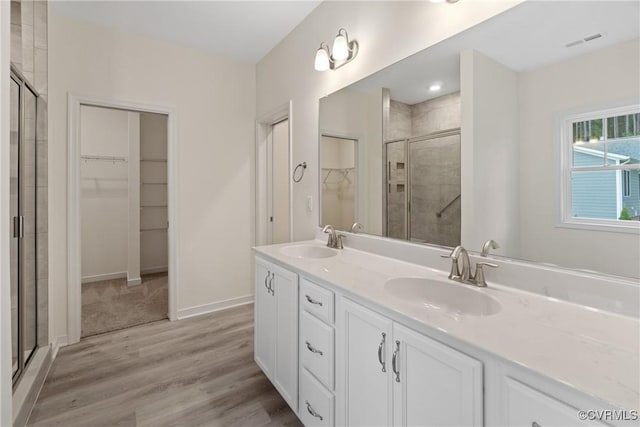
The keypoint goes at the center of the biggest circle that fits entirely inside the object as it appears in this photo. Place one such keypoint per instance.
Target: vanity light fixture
(343, 52)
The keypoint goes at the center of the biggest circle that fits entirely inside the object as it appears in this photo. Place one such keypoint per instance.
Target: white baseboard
(134, 282)
(58, 342)
(214, 306)
(151, 270)
(101, 277)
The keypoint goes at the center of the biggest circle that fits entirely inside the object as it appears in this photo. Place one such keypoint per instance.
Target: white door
(285, 293)
(265, 318)
(279, 183)
(434, 385)
(363, 379)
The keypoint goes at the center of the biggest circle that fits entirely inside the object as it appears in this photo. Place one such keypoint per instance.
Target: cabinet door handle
(312, 301)
(312, 349)
(271, 290)
(266, 279)
(312, 411)
(394, 362)
(380, 347)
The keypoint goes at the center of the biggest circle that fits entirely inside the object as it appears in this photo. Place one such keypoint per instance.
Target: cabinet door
(434, 385)
(363, 382)
(285, 294)
(265, 319)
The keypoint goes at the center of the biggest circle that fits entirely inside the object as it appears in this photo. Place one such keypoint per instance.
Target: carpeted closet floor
(111, 304)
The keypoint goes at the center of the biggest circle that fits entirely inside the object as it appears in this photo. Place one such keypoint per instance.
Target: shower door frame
(24, 84)
(74, 295)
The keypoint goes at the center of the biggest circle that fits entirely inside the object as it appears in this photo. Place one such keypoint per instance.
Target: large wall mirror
(524, 129)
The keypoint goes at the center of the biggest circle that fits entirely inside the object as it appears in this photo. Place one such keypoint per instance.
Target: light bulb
(322, 60)
(340, 48)
(435, 87)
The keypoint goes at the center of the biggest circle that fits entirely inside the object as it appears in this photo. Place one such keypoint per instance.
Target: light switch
(309, 204)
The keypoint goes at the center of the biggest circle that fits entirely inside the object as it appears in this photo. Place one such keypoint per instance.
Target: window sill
(602, 225)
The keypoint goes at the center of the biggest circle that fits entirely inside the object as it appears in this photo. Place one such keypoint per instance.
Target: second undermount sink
(308, 251)
(449, 297)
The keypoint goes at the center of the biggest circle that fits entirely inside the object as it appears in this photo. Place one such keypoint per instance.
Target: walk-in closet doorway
(121, 216)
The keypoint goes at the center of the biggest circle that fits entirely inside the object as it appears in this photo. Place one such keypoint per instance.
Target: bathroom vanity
(350, 337)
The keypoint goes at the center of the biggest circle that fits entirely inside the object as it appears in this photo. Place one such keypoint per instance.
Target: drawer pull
(312, 349)
(312, 301)
(380, 347)
(312, 411)
(394, 362)
(266, 279)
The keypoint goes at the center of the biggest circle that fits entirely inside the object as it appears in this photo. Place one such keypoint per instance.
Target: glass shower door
(23, 259)
(435, 190)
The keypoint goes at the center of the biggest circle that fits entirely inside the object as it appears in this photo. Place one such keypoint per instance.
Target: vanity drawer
(316, 402)
(316, 348)
(317, 300)
(526, 406)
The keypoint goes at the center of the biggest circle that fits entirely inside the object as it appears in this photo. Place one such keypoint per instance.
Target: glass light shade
(340, 48)
(322, 60)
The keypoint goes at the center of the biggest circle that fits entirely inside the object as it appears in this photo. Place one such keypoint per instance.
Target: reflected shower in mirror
(510, 131)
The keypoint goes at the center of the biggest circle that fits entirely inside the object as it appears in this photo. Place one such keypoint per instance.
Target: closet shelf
(154, 229)
(104, 158)
(153, 206)
(154, 160)
(153, 183)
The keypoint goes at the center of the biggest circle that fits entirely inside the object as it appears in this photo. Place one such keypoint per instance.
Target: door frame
(262, 232)
(74, 248)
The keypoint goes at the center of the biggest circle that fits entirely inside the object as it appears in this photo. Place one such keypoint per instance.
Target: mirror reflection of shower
(338, 181)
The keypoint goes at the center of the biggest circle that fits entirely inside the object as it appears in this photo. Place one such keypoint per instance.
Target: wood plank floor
(192, 372)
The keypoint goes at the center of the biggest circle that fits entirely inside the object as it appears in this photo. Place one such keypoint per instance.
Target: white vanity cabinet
(276, 327)
(391, 375)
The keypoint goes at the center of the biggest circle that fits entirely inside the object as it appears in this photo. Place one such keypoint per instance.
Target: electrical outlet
(309, 204)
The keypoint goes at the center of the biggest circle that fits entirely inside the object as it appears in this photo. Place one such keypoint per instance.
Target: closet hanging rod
(104, 158)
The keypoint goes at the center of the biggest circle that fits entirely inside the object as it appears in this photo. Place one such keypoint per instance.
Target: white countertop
(593, 351)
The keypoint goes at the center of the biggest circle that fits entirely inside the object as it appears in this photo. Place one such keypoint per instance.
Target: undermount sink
(449, 297)
(308, 251)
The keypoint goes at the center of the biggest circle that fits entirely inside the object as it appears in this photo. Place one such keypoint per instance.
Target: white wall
(489, 151)
(5, 281)
(386, 32)
(104, 192)
(546, 94)
(215, 103)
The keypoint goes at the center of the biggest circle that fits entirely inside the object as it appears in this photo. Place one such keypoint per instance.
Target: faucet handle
(478, 277)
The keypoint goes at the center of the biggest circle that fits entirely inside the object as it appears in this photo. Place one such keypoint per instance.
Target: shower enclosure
(23, 262)
(423, 188)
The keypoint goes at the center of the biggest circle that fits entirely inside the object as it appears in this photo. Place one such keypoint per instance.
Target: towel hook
(302, 165)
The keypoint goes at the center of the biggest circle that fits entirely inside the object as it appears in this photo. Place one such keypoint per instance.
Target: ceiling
(525, 37)
(241, 30)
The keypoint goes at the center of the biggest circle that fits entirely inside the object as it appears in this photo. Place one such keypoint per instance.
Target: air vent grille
(584, 40)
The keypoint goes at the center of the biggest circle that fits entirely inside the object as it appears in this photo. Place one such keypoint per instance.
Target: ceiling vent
(584, 40)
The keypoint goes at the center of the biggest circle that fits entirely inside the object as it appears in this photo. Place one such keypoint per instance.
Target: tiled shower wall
(29, 52)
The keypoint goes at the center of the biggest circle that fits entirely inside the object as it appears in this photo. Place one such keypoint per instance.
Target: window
(626, 190)
(601, 166)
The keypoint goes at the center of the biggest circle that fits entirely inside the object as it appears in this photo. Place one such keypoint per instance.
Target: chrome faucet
(455, 273)
(488, 245)
(356, 227)
(335, 240)
(464, 275)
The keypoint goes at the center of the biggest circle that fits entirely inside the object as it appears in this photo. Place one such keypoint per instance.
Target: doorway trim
(263, 133)
(74, 249)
